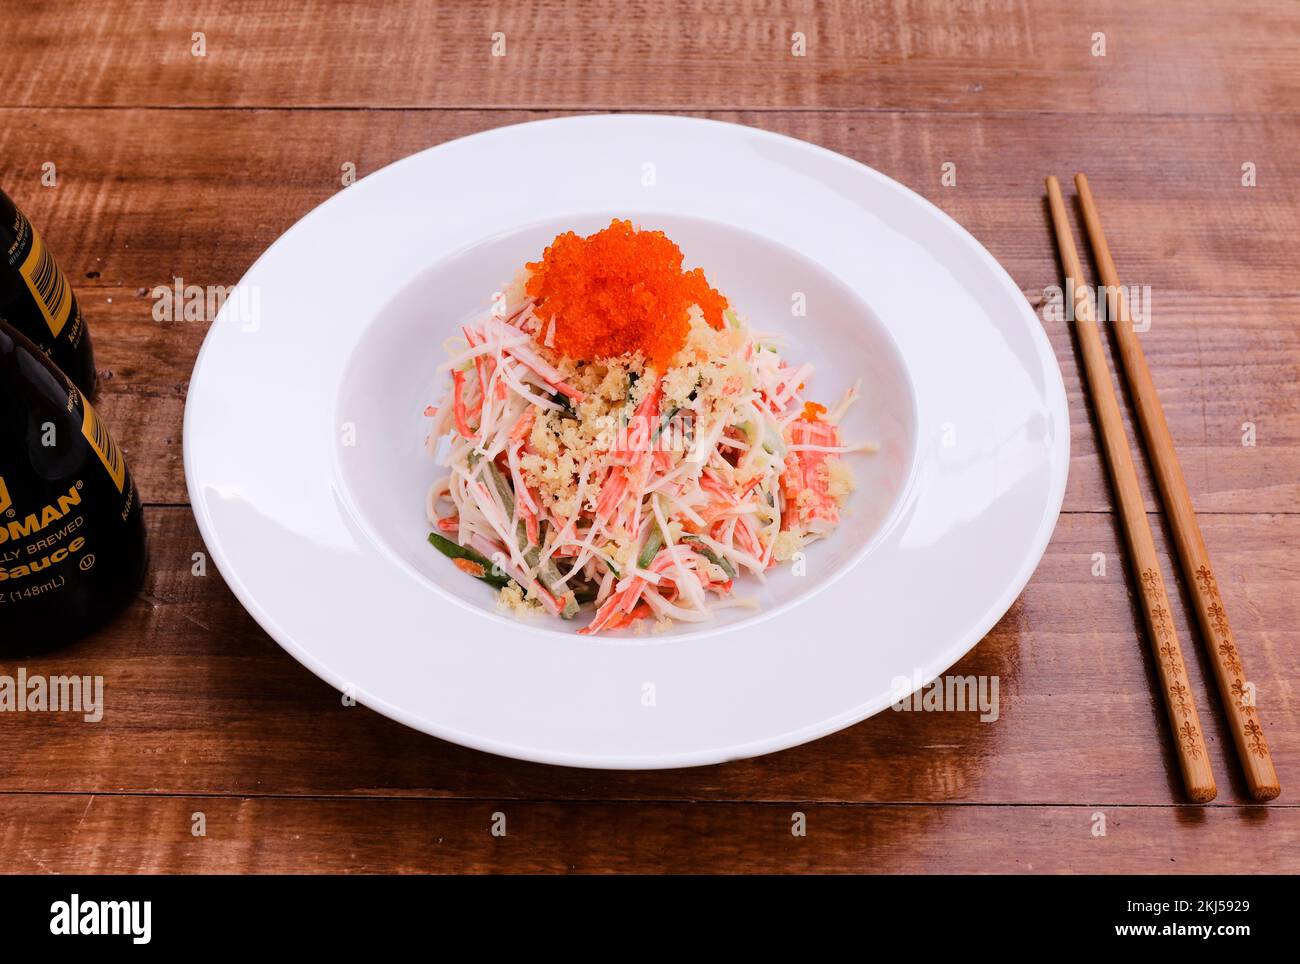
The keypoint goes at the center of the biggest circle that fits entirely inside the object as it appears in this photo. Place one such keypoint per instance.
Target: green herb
(491, 575)
(663, 422)
(566, 404)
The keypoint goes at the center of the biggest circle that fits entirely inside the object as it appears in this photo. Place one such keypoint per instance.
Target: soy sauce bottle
(36, 299)
(72, 542)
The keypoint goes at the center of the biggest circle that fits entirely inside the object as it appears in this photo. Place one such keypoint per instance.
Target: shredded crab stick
(805, 483)
(618, 442)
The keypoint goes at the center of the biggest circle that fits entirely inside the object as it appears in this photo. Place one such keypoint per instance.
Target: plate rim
(1059, 464)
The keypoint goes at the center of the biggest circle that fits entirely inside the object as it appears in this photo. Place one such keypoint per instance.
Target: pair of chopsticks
(1235, 691)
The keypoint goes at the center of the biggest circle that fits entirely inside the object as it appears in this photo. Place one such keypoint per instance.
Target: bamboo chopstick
(1234, 689)
(1193, 758)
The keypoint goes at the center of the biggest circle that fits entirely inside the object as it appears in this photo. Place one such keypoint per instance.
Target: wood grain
(116, 834)
(174, 165)
(985, 55)
(146, 196)
(200, 700)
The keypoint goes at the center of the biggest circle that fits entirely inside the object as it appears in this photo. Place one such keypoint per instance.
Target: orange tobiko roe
(812, 412)
(617, 292)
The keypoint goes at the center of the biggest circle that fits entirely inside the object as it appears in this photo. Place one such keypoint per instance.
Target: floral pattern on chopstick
(1180, 692)
(1171, 661)
(1226, 648)
(1244, 697)
(1151, 579)
(1191, 739)
(1255, 738)
(1206, 580)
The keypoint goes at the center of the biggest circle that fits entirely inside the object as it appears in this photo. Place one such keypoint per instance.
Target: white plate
(306, 469)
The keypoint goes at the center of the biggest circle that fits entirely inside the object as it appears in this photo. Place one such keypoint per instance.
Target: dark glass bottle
(72, 543)
(36, 299)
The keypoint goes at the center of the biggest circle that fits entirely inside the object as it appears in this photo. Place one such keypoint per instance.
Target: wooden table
(173, 165)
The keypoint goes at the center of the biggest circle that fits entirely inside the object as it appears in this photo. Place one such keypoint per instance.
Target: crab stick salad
(619, 443)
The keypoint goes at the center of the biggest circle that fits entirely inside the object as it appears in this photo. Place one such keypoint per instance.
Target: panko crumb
(513, 600)
(708, 370)
(785, 545)
(839, 479)
(561, 444)
(679, 383)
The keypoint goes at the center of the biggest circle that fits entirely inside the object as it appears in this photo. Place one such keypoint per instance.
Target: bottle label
(45, 280)
(62, 526)
(97, 435)
(37, 543)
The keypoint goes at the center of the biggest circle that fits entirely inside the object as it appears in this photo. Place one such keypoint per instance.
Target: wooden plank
(1226, 370)
(981, 55)
(130, 834)
(146, 195)
(1223, 343)
(199, 700)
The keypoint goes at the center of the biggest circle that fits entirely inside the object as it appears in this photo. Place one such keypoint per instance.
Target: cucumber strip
(548, 575)
(491, 575)
(773, 444)
(653, 542)
(721, 561)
